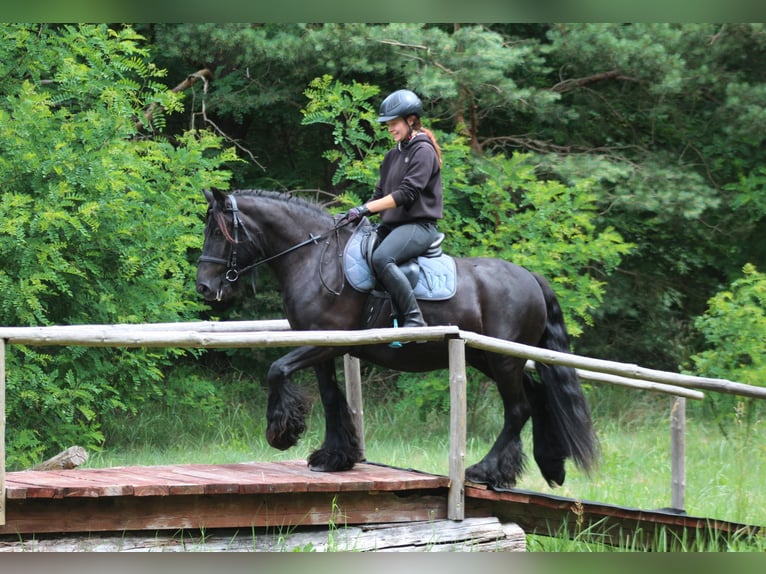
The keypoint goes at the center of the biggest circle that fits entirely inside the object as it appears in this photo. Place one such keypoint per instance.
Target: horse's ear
(214, 195)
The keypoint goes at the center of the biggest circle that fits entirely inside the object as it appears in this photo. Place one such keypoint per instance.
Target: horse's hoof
(478, 475)
(473, 474)
(331, 461)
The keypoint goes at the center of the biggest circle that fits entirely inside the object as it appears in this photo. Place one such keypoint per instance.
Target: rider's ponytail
(416, 125)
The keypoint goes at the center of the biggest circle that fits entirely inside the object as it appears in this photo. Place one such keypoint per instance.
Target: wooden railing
(277, 333)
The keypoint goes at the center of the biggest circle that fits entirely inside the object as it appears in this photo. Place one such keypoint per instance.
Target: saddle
(432, 274)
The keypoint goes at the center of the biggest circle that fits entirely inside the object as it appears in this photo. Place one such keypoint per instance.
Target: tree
(99, 221)
(666, 118)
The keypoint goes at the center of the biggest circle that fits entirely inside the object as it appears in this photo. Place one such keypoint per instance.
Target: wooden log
(611, 367)
(100, 336)
(678, 453)
(640, 385)
(473, 534)
(71, 458)
(202, 326)
(221, 334)
(353, 377)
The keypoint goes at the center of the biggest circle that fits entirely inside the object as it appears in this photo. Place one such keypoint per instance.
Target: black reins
(233, 272)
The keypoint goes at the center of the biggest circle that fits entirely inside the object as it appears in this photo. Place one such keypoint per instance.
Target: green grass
(724, 473)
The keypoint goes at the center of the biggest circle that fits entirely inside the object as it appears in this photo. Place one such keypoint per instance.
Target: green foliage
(498, 207)
(352, 117)
(734, 329)
(98, 224)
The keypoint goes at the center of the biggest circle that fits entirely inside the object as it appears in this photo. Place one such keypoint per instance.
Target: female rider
(408, 197)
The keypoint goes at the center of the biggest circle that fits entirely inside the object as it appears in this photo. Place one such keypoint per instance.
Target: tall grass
(725, 464)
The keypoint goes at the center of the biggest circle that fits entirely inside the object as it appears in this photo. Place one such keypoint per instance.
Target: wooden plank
(122, 481)
(612, 524)
(297, 477)
(273, 481)
(102, 514)
(178, 484)
(214, 478)
(386, 478)
(471, 535)
(247, 478)
(49, 484)
(381, 477)
(19, 490)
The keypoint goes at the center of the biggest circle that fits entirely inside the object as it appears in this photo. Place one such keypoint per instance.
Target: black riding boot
(398, 286)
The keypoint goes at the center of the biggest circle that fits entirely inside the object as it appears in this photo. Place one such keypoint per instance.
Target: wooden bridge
(287, 495)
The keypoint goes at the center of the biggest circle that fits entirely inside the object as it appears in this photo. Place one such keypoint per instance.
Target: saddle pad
(437, 278)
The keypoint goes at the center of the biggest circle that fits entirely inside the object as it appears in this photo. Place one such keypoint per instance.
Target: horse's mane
(302, 204)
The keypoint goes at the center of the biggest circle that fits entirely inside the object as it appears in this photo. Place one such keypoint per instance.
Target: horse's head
(227, 248)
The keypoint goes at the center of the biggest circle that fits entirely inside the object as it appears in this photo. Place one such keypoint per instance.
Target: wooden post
(678, 453)
(353, 375)
(2, 432)
(458, 410)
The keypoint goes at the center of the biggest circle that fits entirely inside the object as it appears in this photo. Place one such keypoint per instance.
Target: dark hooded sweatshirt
(412, 175)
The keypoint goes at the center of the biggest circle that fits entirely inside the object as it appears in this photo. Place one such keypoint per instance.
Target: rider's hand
(357, 213)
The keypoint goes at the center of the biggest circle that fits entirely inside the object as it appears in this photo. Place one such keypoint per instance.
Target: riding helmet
(400, 104)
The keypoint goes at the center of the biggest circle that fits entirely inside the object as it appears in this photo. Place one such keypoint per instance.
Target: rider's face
(398, 128)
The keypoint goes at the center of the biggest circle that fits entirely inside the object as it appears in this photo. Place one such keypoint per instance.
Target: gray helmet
(400, 104)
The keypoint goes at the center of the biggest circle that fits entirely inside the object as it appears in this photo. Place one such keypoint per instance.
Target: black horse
(302, 244)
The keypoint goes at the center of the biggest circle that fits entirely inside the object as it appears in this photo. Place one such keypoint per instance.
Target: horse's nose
(203, 288)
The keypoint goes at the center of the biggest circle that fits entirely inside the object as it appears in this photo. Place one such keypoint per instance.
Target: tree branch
(203, 74)
(573, 83)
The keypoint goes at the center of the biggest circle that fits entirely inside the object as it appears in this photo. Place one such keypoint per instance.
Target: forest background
(623, 161)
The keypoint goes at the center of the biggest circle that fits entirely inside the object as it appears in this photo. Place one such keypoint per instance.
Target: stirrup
(395, 344)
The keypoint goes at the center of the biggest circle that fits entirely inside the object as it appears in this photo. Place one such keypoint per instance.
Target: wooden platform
(284, 496)
(217, 496)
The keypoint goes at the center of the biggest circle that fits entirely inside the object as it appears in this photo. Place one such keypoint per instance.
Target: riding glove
(357, 213)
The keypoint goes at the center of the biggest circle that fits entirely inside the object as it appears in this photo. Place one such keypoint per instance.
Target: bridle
(233, 270)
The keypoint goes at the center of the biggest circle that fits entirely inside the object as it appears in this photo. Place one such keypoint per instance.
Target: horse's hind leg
(341, 448)
(504, 463)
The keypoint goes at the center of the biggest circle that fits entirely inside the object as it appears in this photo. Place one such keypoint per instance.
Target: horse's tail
(561, 408)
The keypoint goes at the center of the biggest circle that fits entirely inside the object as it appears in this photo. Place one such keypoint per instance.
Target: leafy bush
(99, 222)
(734, 328)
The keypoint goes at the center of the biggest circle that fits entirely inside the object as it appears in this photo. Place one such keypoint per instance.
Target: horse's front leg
(287, 403)
(287, 409)
(341, 447)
